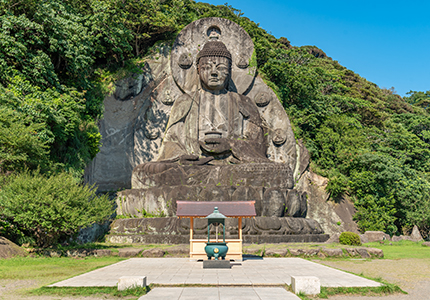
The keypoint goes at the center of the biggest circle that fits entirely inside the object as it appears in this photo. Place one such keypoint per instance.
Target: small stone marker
(310, 285)
(130, 282)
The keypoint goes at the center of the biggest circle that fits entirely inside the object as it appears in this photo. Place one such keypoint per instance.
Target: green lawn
(47, 270)
(402, 249)
(51, 269)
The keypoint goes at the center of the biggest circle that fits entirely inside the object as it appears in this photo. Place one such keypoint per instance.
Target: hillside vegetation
(372, 144)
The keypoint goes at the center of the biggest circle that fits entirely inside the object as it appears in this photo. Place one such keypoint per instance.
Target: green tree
(49, 209)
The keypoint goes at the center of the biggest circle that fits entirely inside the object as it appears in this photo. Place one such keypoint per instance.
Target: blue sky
(386, 42)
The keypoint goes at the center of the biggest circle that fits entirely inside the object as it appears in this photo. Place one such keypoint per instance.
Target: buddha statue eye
(222, 68)
(206, 67)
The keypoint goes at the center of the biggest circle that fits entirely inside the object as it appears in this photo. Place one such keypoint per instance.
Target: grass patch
(91, 291)
(402, 249)
(51, 268)
(386, 289)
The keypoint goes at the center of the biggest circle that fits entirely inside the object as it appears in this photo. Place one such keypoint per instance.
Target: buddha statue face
(214, 72)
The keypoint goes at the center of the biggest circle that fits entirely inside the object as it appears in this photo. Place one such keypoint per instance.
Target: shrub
(47, 209)
(349, 238)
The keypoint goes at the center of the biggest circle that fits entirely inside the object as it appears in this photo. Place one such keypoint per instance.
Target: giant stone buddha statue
(228, 137)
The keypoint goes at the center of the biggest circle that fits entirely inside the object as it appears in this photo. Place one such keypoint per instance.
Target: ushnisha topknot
(213, 48)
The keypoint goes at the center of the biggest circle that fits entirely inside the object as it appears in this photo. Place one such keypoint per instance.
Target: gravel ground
(412, 275)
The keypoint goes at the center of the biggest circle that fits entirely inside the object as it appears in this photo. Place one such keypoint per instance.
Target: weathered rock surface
(296, 252)
(427, 244)
(363, 238)
(276, 252)
(93, 232)
(129, 252)
(334, 238)
(311, 252)
(398, 238)
(9, 249)
(416, 235)
(332, 252)
(58, 253)
(375, 236)
(326, 212)
(254, 249)
(103, 252)
(268, 201)
(179, 250)
(133, 123)
(155, 252)
(363, 252)
(375, 252)
(173, 226)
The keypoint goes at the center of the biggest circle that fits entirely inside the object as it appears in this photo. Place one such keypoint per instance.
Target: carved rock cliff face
(133, 124)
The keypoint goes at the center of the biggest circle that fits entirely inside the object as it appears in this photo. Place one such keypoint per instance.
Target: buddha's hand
(155, 167)
(191, 159)
(216, 145)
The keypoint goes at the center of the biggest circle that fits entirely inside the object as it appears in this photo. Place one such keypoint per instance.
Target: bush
(48, 209)
(349, 238)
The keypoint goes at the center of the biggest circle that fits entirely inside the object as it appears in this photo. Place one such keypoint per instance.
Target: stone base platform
(269, 201)
(183, 239)
(172, 230)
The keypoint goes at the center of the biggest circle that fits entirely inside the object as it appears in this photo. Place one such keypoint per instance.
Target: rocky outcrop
(374, 236)
(414, 237)
(9, 249)
(129, 252)
(334, 217)
(323, 252)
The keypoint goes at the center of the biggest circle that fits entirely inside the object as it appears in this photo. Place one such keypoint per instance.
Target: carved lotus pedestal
(280, 209)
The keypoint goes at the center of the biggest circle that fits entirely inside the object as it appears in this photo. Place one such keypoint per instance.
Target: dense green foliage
(48, 209)
(372, 144)
(349, 238)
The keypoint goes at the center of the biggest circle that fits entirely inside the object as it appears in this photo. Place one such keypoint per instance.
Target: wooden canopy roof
(201, 209)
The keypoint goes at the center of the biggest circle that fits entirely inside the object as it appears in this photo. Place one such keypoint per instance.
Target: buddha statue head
(214, 66)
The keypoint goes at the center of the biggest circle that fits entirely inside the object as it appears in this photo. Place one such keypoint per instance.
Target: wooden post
(191, 236)
(240, 229)
(191, 228)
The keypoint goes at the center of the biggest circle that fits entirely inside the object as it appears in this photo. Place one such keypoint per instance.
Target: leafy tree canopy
(371, 143)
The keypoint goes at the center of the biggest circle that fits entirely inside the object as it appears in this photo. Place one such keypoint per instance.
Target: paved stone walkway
(250, 279)
(252, 272)
(219, 293)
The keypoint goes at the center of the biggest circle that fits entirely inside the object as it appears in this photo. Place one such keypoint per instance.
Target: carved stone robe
(243, 128)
